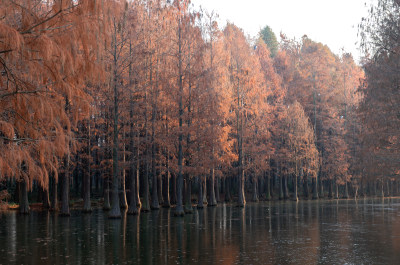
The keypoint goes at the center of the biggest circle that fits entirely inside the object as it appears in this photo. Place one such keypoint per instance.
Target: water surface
(365, 231)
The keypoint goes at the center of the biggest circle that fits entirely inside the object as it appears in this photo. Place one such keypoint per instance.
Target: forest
(145, 104)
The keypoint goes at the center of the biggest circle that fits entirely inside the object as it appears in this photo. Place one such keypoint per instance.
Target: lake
(363, 231)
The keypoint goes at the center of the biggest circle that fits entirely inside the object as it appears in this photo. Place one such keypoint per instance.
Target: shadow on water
(365, 231)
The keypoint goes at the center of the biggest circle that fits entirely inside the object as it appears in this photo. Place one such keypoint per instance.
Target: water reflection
(304, 232)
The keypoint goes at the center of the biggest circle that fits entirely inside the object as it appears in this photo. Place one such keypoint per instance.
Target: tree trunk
(132, 208)
(315, 189)
(54, 199)
(268, 186)
(188, 195)
(200, 203)
(213, 201)
(346, 190)
(106, 193)
(155, 205)
(241, 199)
(146, 202)
(321, 186)
(160, 188)
(336, 190)
(227, 190)
(179, 203)
(87, 206)
(205, 201)
(123, 203)
(217, 195)
(45, 198)
(154, 192)
(137, 178)
(382, 194)
(255, 192)
(281, 188)
(330, 192)
(295, 196)
(166, 200)
(115, 211)
(306, 190)
(23, 200)
(388, 188)
(285, 187)
(132, 172)
(173, 189)
(65, 189)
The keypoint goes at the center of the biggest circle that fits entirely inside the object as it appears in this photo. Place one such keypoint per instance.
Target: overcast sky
(332, 22)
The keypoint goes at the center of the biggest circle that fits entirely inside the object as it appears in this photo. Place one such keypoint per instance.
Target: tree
(246, 97)
(298, 143)
(379, 107)
(269, 37)
(45, 57)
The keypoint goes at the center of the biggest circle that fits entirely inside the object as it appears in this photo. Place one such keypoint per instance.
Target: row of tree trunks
(385, 187)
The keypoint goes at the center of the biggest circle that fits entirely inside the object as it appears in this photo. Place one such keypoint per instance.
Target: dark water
(365, 231)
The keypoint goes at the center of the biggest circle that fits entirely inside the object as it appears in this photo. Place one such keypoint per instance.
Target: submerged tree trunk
(23, 198)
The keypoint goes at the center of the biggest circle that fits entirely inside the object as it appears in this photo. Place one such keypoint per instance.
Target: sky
(331, 22)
